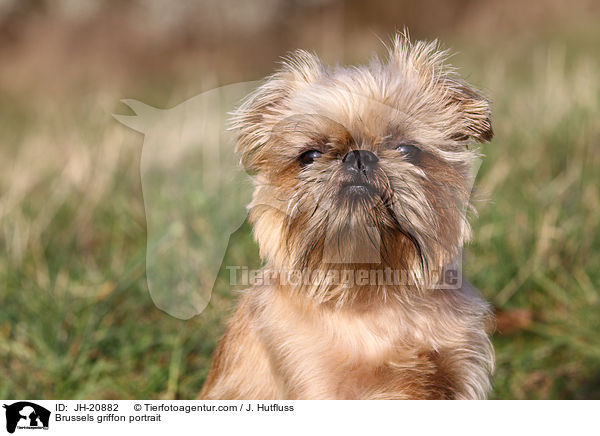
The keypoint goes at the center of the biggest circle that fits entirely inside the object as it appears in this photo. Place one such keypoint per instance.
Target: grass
(77, 320)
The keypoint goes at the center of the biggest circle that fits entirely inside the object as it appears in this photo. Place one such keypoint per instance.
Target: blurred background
(76, 317)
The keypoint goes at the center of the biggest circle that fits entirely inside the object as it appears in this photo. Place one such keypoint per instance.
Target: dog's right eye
(309, 157)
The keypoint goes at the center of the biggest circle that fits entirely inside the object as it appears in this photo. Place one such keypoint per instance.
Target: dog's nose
(360, 161)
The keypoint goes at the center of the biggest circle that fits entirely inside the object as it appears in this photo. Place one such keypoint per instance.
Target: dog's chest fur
(388, 351)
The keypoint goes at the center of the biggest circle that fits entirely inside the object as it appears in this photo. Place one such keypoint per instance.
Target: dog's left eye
(410, 152)
(309, 157)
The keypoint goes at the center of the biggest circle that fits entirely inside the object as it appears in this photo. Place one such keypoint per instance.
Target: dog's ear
(260, 112)
(474, 112)
(465, 112)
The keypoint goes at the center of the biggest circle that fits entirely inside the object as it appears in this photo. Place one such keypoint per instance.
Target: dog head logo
(194, 192)
(26, 415)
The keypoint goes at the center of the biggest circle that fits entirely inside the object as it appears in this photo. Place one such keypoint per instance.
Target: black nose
(360, 161)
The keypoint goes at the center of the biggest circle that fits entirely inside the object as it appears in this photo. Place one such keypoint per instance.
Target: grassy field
(76, 317)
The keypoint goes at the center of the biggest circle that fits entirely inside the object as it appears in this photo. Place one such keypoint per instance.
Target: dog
(362, 184)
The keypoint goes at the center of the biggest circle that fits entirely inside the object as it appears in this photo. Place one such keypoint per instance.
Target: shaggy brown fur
(328, 338)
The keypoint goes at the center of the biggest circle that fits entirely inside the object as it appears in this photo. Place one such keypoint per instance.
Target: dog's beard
(330, 224)
(324, 217)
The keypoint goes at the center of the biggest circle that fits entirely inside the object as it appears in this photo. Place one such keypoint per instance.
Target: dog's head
(355, 162)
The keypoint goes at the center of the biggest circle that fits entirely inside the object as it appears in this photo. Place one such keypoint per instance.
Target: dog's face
(368, 165)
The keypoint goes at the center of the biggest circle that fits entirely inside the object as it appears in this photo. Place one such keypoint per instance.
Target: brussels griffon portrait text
(360, 210)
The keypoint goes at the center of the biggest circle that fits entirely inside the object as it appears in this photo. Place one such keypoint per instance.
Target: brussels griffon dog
(362, 185)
